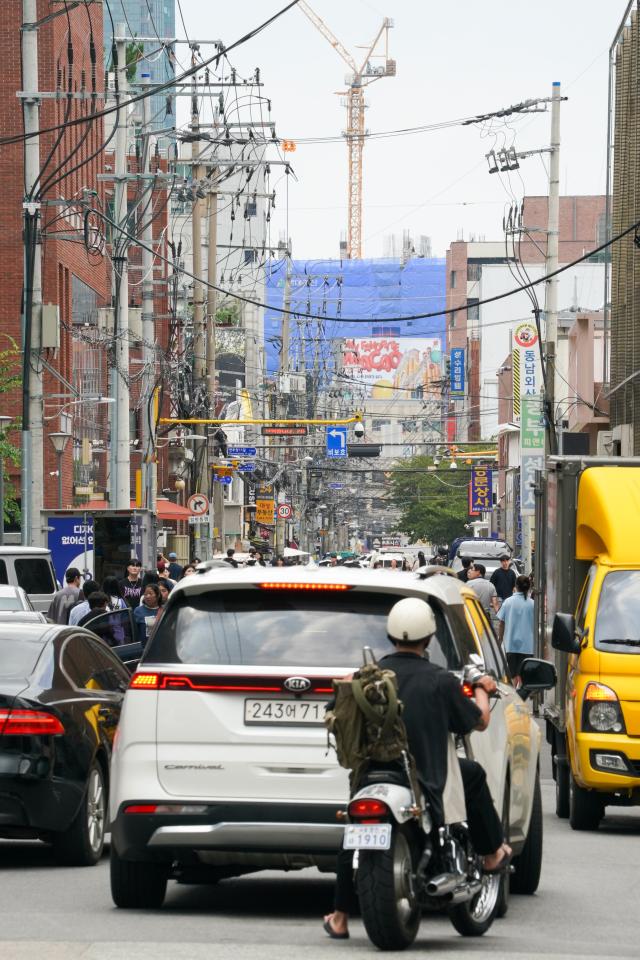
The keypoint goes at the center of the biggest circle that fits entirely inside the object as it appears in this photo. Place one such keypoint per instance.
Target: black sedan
(61, 690)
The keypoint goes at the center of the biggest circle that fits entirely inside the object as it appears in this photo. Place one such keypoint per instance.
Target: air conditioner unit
(604, 443)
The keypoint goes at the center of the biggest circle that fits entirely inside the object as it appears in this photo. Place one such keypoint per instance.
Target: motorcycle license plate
(367, 836)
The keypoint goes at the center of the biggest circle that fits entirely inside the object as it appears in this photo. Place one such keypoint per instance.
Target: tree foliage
(10, 378)
(434, 504)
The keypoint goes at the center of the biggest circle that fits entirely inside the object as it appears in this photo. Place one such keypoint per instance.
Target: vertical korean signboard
(527, 390)
(481, 494)
(456, 384)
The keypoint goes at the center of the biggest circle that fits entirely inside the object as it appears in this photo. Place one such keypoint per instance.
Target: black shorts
(515, 661)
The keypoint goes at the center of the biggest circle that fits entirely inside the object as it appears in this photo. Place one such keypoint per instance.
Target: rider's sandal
(328, 929)
(501, 867)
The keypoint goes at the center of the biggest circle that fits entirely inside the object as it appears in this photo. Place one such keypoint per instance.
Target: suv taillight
(144, 681)
(29, 723)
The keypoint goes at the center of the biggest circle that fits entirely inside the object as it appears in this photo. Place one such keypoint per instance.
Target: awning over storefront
(167, 510)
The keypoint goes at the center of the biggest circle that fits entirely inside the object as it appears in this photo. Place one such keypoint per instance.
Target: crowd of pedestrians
(506, 600)
(144, 592)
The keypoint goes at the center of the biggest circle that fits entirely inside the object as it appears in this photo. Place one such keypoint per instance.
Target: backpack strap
(370, 713)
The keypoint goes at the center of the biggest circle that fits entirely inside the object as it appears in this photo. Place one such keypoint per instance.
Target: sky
(455, 59)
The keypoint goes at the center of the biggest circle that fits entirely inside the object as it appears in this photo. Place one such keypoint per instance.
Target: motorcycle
(405, 864)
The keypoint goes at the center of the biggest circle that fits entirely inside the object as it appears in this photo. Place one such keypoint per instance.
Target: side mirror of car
(536, 675)
(563, 634)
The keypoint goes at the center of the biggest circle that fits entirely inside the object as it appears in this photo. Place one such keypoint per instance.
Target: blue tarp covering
(374, 291)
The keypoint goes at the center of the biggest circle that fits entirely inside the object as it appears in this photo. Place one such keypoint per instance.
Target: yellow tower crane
(355, 133)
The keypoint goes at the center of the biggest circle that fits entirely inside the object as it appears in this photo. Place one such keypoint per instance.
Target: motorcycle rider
(434, 707)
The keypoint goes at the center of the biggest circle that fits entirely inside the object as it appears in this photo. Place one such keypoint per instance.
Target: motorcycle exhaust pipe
(443, 884)
(466, 892)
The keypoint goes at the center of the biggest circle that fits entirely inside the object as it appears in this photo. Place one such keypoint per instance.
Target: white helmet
(410, 620)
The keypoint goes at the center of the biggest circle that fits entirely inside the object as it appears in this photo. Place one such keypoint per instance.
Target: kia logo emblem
(297, 684)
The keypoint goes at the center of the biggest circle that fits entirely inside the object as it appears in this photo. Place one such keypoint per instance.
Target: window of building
(473, 310)
(453, 279)
(250, 256)
(379, 424)
(251, 209)
(474, 272)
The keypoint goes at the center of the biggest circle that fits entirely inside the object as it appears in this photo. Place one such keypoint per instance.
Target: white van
(30, 568)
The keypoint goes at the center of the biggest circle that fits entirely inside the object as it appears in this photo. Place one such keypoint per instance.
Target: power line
(447, 311)
(168, 85)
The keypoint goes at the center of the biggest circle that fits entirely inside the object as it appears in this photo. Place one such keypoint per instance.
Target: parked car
(61, 690)
(14, 599)
(221, 764)
(31, 569)
(23, 616)
(487, 551)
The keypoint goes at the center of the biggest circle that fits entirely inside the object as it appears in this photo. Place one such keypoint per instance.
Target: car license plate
(360, 836)
(284, 712)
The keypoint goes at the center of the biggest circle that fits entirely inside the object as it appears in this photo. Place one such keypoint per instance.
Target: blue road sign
(336, 441)
(246, 468)
(241, 451)
(225, 480)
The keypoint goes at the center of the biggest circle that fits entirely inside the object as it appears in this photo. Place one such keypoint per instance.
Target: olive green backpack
(365, 722)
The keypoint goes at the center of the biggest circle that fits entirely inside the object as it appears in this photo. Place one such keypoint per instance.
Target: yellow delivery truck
(587, 581)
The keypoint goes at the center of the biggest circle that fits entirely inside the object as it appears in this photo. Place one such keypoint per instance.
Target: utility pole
(199, 339)
(32, 470)
(217, 514)
(284, 384)
(149, 465)
(119, 480)
(551, 286)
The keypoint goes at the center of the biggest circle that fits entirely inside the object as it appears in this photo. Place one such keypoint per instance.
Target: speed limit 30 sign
(284, 511)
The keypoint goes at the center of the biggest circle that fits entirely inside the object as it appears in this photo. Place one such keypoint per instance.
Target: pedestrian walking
(464, 573)
(65, 598)
(188, 571)
(174, 568)
(421, 560)
(230, 558)
(97, 602)
(81, 607)
(484, 589)
(131, 583)
(504, 578)
(516, 627)
(111, 587)
(145, 614)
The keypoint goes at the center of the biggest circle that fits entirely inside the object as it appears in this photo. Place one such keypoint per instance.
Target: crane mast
(355, 132)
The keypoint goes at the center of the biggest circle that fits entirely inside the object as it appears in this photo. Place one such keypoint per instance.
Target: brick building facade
(582, 228)
(71, 277)
(76, 276)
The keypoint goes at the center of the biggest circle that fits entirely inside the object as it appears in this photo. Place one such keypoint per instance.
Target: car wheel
(137, 884)
(527, 867)
(81, 845)
(586, 807)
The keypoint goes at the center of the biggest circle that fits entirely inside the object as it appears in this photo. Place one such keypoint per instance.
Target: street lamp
(59, 441)
(4, 421)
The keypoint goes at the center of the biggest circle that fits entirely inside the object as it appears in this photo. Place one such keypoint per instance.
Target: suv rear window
(271, 629)
(34, 575)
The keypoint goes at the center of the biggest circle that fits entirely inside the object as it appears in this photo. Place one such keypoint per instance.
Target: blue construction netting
(376, 291)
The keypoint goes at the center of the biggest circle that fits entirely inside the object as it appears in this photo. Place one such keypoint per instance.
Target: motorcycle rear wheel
(473, 918)
(388, 903)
